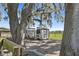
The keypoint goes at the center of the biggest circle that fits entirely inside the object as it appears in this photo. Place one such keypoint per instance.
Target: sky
(55, 25)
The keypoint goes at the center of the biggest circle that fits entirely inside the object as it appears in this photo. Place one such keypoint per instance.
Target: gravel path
(46, 47)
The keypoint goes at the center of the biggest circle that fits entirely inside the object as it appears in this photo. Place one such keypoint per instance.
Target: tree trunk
(70, 39)
(18, 30)
(14, 23)
(26, 17)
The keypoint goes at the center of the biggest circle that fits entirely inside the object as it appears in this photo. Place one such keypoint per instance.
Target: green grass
(55, 36)
(8, 45)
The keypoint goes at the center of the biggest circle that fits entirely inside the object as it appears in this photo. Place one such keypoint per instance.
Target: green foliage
(49, 8)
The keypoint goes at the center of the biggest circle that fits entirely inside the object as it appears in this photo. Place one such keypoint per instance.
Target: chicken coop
(30, 33)
(42, 33)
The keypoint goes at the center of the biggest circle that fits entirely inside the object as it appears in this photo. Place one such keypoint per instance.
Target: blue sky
(55, 25)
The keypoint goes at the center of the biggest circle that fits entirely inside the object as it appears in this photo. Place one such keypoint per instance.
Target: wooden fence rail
(16, 49)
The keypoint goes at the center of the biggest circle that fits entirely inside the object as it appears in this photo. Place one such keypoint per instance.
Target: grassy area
(8, 45)
(55, 35)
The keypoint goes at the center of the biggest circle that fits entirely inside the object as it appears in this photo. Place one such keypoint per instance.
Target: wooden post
(18, 51)
(1, 46)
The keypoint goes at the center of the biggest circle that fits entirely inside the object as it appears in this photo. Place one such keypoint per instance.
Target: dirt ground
(46, 47)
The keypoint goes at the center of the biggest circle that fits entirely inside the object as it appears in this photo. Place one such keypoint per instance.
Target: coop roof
(43, 28)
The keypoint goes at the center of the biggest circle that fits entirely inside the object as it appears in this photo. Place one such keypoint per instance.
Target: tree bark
(14, 23)
(70, 39)
(26, 17)
(18, 29)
